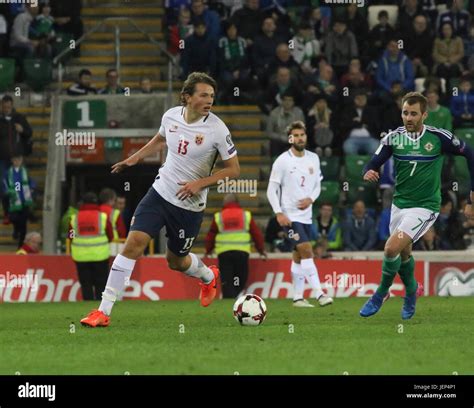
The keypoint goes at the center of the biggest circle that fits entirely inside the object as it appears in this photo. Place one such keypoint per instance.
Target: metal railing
(171, 59)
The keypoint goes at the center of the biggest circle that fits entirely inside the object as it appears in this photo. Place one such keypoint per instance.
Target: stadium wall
(44, 278)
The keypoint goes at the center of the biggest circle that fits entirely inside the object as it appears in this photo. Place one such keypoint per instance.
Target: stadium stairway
(38, 117)
(139, 57)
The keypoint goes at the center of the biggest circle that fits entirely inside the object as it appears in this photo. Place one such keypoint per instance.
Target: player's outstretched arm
(152, 147)
(381, 155)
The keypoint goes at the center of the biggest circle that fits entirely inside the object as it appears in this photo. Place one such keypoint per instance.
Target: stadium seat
(330, 167)
(466, 134)
(354, 166)
(374, 11)
(7, 73)
(62, 41)
(38, 73)
(329, 193)
(364, 191)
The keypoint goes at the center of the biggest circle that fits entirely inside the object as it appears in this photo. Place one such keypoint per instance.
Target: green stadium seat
(38, 73)
(466, 134)
(7, 73)
(62, 41)
(329, 193)
(354, 166)
(330, 167)
(364, 191)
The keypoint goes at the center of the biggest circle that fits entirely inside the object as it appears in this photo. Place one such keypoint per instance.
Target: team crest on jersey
(311, 170)
(199, 139)
(429, 147)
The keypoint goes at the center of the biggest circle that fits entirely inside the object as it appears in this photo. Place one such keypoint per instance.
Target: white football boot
(324, 300)
(302, 303)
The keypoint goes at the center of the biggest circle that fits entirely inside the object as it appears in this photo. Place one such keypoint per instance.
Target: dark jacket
(369, 118)
(200, 55)
(361, 235)
(10, 140)
(419, 46)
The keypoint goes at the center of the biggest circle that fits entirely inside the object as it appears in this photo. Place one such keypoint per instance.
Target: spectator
(145, 85)
(458, 18)
(125, 211)
(305, 47)
(354, 77)
(248, 20)
(107, 200)
(172, 10)
(31, 245)
(279, 119)
(468, 226)
(393, 66)
(359, 230)
(462, 104)
(112, 87)
(319, 124)
(428, 242)
(83, 86)
(42, 27)
(264, 49)
(341, 47)
(211, 19)
(324, 83)
(91, 233)
(438, 116)
(15, 136)
(392, 113)
(283, 58)
(449, 226)
(19, 188)
(361, 124)
(233, 62)
(3, 36)
(326, 226)
(67, 18)
(230, 234)
(448, 52)
(406, 15)
(282, 20)
(380, 35)
(200, 52)
(276, 237)
(64, 223)
(20, 43)
(419, 46)
(319, 20)
(178, 33)
(273, 96)
(357, 24)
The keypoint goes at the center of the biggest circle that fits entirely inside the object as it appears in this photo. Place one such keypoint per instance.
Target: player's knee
(134, 247)
(305, 251)
(391, 251)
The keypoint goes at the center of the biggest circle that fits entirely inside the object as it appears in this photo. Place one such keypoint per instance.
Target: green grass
(145, 338)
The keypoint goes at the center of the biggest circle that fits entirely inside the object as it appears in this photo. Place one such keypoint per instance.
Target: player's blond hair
(298, 124)
(189, 86)
(413, 98)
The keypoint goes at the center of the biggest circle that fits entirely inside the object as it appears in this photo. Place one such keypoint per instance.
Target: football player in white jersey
(295, 183)
(194, 137)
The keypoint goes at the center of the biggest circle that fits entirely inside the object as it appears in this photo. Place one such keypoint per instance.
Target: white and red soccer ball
(250, 310)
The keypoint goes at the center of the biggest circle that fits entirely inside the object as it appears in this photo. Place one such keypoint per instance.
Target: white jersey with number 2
(192, 152)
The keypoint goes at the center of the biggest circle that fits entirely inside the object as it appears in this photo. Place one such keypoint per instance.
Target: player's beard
(415, 128)
(300, 146)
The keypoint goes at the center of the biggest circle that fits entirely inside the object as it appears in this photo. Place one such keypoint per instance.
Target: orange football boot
(96, 318)
(208, 292)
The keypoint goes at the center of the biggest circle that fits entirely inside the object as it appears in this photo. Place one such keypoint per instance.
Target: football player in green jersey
(417, 150)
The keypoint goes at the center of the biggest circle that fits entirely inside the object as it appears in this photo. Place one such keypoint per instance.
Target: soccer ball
(250, 310)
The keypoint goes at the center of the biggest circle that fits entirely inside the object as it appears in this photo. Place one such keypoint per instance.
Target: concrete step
(127, 9)
(145, 23)
(126, 49)
(132, 36)
(98, 72)
(124, 60)
(158, 86)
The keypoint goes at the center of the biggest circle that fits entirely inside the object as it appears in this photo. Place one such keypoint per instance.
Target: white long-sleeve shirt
(292, 179)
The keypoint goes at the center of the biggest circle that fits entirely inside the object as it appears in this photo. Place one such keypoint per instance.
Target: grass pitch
(180, 337)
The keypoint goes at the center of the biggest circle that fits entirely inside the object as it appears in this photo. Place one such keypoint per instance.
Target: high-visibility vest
(90, 242)
(233, 226)
(113, 215)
